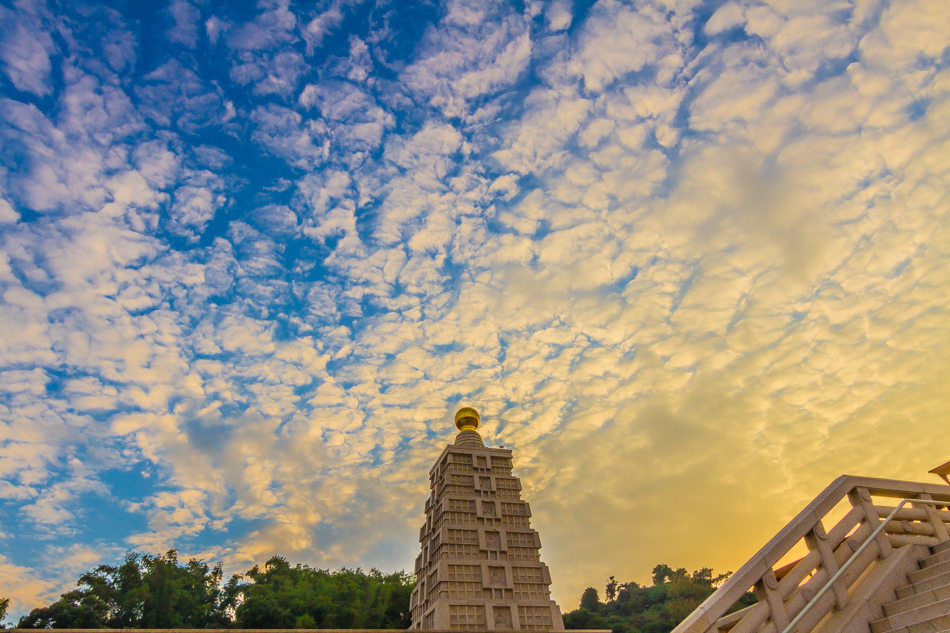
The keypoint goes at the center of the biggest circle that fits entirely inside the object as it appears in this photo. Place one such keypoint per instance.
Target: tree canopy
(630, 608)
(159, 592)
(285, 596)
(147, 592)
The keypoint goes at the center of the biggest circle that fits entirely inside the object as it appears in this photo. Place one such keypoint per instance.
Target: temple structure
(480, 567)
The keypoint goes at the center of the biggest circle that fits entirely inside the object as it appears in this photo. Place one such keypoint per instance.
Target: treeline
(159, 592)
(631, 608)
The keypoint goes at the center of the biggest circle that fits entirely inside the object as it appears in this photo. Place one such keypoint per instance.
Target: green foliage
(4, 605)
(146, 592)
(630, 608)
(590, 600)
(159, 592)
(288, 597)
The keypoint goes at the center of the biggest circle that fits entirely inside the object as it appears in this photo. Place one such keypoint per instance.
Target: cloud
(537, 141)
(8, 214)
(26, 49)
(49, 172)
(175, 95)
(98, 113)
(356, 120)
(906, 32)
(285, 133)
(477, 51)
(214, 27)
(199, 196)
(617, 40)
(728, 16)
(319, 27)
(49, 510)
(186, 17)
(100, 41)
(277, 74)
(23, 586)
(558, 16)
(257, 54)
(270, 28)
(171, 516)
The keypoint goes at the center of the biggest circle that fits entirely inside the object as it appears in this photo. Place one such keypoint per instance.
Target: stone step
(934, 625)
(923, 585)
(926, 613)
(917, 600)
(936, 559)
(937, 625)
(940, 547)
(929, 572)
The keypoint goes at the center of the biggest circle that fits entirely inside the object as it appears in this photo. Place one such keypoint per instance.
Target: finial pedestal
(467, 421)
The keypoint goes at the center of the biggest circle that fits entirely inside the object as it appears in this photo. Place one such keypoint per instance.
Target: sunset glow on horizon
(689, 260)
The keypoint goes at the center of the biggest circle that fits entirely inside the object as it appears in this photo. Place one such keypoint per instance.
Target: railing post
(710, 616)
(766, 589)
(861, 497)
(940, 528)
(818, 539)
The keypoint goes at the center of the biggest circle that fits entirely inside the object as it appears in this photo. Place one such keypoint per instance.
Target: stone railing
(784, 593)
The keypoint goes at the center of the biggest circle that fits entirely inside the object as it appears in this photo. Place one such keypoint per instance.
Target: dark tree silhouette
(160, 592)
(285, 596)
(143, 592)
(630, 608)
(590, 600)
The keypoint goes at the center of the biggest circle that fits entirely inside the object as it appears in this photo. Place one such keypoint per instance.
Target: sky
(690, 259)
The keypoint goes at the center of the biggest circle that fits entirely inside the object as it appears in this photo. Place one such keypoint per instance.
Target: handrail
(759, 568)
(831, 581)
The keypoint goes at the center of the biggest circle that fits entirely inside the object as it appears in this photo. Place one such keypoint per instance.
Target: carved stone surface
(480, 566)
(502, 617)
(497, 576)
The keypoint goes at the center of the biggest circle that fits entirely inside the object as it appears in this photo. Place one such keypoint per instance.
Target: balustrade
(796, 594)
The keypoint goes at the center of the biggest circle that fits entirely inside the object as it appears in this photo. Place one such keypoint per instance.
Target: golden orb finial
(467, 419)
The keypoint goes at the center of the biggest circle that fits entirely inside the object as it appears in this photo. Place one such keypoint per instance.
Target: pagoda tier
(480, 566)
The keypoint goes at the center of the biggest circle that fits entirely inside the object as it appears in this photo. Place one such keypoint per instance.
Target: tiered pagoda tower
(480, 567)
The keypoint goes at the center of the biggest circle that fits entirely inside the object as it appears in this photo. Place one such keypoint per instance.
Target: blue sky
(690, 259)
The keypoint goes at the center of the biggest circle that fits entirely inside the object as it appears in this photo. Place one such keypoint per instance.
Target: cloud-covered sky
(689, 258)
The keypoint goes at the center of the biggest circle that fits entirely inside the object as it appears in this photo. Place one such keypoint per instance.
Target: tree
(161, 592)
(630, 608)
(143, 592)
(74, 610)
(583, 619)
(590, 600)
(662, 574)
(4, 605)
(285, 596)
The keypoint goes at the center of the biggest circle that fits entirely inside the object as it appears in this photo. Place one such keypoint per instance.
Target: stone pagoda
(480, 567)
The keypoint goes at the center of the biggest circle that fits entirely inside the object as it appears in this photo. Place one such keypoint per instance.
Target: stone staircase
(893, 542)
(923, 606)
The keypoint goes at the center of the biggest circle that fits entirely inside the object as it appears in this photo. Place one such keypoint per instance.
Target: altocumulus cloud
(690, 259)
